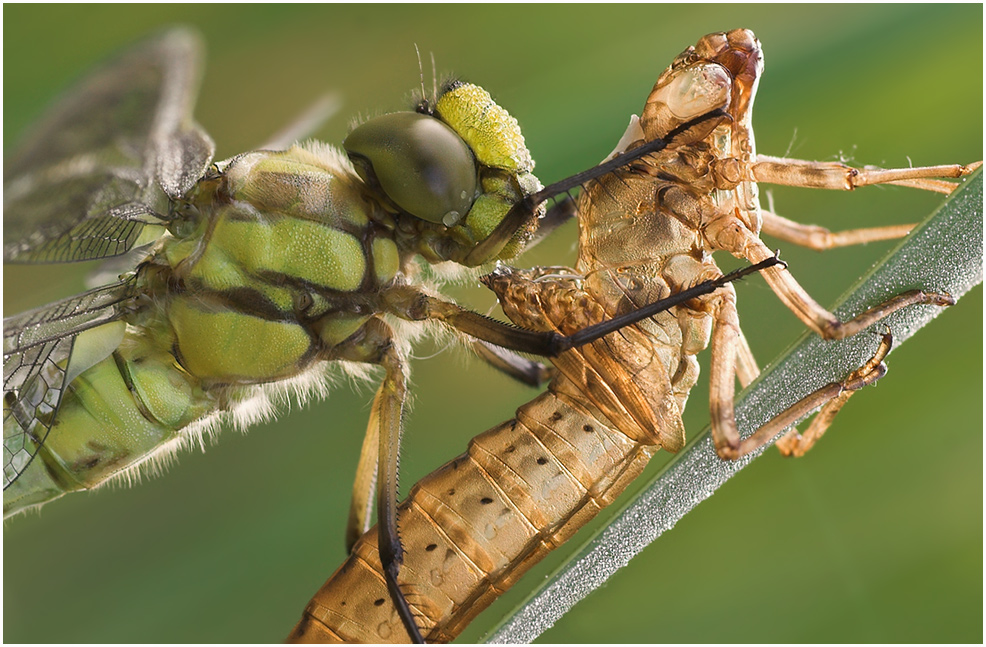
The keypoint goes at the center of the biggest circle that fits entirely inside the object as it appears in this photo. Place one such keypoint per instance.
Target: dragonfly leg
(493, 341)
(365, 484)
(413, 303)
(376, 346)
(820, 238)
(732, 235)
(511, 364)
(837, 176)
(520, 368)
(833, 175)
(726, 343)
(796, 444)
(747, 370)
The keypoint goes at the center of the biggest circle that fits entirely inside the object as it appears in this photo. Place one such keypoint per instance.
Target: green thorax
(280, 257)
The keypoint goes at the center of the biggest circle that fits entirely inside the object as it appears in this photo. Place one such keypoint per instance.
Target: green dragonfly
(242, 273)
(63, 542)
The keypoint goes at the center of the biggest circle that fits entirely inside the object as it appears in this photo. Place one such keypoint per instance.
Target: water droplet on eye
(384, 630)
(490, 531)
(451, 218)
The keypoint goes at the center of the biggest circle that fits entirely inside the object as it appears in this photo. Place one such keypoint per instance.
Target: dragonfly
(54, 545)
(478, 523)
(243, 273)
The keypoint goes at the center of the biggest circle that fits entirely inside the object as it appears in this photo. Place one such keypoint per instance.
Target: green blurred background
(875, 536)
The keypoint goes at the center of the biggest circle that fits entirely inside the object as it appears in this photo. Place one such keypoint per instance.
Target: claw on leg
(797, 444)
(726, 347)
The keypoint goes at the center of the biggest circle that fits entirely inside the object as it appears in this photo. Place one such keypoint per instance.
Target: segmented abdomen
(474, 526)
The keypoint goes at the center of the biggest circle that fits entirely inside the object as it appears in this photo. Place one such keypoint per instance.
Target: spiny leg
(388, 407)
(509, 363)
(837, 176)
(375, 345)
(841, 177)
(732, 235)
(726, 337)
(412, 303)
(820, 238)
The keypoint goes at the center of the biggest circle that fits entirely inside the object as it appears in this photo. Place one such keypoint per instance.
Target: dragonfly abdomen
(474, 526)
(112, 416)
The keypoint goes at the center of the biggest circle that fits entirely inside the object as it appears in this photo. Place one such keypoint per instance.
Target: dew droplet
(451, 218)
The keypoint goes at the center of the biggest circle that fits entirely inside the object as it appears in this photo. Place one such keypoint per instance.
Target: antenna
(434, 79)
(421, 74)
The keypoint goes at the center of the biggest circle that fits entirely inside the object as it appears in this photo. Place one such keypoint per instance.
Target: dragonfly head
(450, 173)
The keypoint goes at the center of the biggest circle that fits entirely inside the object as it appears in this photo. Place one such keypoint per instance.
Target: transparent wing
(106, 160)
(37, 346)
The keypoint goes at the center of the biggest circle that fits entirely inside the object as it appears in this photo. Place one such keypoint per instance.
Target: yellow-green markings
(102, 427)
(489, 130)
(386, 260)
(496, 140)
(301, 249)
(235, 347)
(335, 329)
(163, 389)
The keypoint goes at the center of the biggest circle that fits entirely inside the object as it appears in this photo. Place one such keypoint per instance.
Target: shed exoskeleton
(647, 231)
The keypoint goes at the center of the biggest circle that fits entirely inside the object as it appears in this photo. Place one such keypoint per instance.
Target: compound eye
(418, 162)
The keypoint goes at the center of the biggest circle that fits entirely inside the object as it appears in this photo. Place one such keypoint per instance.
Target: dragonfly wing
(306, 124)
(108, 158)
(37, 346)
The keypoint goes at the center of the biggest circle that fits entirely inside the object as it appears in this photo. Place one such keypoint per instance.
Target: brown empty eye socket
(420, 163)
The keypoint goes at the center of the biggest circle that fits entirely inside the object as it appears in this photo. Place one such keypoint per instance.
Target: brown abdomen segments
(473, 527)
